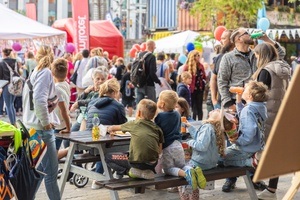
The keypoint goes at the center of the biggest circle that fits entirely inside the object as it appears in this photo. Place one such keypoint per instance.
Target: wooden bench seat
(162, 181)
(82, 158)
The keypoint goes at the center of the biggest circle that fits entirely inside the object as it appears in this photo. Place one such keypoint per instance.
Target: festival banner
(80, 9)
(31, 11)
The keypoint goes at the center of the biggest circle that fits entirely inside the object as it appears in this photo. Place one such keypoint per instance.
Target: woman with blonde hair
(96, 59)
(197, 86)
(109, 111)
(40, 115)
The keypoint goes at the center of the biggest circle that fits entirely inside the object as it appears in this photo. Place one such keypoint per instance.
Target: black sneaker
(260, 186)
(228, 186)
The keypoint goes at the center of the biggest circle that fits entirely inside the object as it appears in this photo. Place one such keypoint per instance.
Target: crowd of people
(173, 88)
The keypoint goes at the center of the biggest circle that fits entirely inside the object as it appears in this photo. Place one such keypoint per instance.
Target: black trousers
(197, 102)
(118, 161)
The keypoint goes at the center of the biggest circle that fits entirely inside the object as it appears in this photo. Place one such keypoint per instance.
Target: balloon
(16, 46)
(198, 48)
(182, 58)
(218, 32)
(198, 45)
(136, 46)
(132, 52)
(263, 24)
(70, 48)
(190, 47)
(143, 46)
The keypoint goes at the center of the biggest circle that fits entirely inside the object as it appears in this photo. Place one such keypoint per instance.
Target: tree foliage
(231, 13)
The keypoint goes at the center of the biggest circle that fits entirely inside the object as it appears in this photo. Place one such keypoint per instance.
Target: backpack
(15, 86)
(138, 76)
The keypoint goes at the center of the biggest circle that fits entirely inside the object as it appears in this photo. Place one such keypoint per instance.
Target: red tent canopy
(103, 33)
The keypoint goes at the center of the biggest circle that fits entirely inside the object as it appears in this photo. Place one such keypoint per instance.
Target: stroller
(84, 159)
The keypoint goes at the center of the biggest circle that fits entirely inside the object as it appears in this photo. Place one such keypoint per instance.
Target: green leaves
(231, 13)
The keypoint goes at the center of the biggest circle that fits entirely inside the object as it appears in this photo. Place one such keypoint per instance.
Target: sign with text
(80, 9)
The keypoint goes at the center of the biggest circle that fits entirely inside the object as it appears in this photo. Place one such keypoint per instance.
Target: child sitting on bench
(252, 117)
(173, 160)
(145, 144)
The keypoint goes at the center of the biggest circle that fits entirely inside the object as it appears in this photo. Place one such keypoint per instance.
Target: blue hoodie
(251, 138)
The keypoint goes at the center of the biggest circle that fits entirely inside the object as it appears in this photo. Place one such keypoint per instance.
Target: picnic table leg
(108, 175)
(66, 169)
(250, 187)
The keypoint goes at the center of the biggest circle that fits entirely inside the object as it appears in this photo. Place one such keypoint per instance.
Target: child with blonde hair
(173, 160)
(184, 80)
(145, 144)
(207, 144)
(252, 117)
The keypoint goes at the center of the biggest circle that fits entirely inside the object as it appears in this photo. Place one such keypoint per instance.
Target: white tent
(17, 27)
(176, 43)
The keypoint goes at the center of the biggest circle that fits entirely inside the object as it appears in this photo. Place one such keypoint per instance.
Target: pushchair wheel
(80, 181)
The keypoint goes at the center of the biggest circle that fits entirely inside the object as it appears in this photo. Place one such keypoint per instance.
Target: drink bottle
(256, 35)
(237, 90)
(183, 128)
(96, 129)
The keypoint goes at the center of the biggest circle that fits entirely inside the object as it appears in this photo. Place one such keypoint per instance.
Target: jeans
(1, 104)
(236, 157)
(9, 102)
(145, 92)
(49, 164)
(18, 104)
(99, 167)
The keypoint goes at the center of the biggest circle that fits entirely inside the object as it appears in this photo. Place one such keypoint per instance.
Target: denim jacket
(251, 125)
(205, 151)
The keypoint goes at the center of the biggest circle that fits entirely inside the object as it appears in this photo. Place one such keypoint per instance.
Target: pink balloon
(17, 46)
(70, 48)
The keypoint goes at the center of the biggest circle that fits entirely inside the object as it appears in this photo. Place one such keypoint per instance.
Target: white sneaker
(266, 195)
(96, 185)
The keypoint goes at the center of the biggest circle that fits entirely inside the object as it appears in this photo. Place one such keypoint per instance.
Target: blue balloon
(263, 24)
(182, 58)
(190, 47)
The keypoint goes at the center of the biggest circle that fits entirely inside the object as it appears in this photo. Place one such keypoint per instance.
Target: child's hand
(233, 138)
(187, 124)
(238, 98)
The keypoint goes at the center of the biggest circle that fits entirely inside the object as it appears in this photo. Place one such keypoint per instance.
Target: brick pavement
(74, 193)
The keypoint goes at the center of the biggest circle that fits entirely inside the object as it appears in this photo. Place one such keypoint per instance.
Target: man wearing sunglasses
(236, 69)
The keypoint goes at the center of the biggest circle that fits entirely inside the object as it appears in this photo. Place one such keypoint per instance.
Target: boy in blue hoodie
(252, 117)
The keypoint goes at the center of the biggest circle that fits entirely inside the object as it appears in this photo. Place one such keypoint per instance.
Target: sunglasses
(245, 33)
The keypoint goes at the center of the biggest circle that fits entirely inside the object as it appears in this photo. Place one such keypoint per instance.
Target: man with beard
(237, 66)
(226, 47)
(236, 69)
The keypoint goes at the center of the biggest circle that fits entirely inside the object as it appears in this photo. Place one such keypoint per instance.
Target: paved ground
(74, 193)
